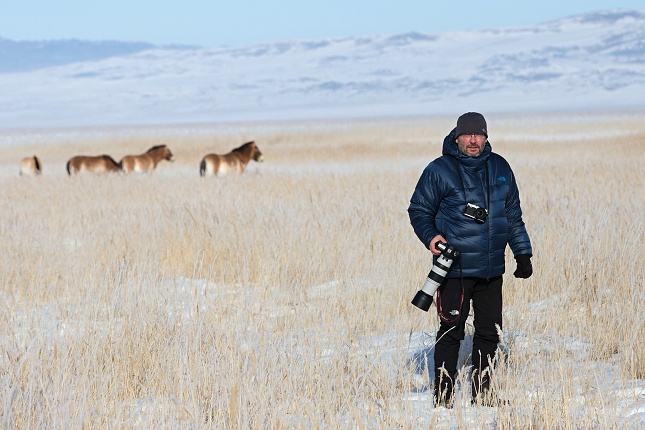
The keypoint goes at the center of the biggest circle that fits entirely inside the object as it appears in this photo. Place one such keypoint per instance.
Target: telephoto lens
(423, 298)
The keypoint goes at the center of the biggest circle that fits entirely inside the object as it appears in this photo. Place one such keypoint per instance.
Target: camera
(475, 212)
(423, 298)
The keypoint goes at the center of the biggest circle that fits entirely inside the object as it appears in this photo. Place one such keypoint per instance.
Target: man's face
(471, 144)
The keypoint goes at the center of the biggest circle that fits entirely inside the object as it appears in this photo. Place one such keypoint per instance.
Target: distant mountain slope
(588, 62)
(29, 55)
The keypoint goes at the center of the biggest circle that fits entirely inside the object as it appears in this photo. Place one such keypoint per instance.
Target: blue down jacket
(438, 203)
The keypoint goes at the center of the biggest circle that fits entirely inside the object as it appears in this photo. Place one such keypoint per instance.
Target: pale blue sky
(239, 22)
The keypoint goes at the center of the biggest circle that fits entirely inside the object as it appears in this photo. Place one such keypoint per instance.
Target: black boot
(482, 395)
(444, 390)
(481, 383)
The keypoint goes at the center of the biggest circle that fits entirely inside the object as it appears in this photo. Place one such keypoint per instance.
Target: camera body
(475, 212)
(423, 298)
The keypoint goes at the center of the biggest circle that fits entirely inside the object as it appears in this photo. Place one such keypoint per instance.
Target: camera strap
(463, 185)
(443, 316)
(440, 312)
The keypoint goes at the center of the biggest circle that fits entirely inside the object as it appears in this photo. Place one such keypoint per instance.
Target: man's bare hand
(437, 238)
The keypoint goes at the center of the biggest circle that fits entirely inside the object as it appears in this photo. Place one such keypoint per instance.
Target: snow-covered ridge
(587, 62)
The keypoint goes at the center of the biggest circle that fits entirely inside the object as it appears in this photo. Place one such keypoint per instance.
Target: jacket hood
(450, 148)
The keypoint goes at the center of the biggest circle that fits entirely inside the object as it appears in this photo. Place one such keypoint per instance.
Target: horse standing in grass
(146, 163)
(234, 161)
(92, 164)
(30, 166)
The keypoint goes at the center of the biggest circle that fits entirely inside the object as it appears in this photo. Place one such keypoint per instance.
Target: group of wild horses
(211, 165)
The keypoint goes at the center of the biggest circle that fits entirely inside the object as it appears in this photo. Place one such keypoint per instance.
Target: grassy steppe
(281, 298)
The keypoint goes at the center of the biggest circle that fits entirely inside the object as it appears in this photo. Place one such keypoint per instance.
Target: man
(469, 199)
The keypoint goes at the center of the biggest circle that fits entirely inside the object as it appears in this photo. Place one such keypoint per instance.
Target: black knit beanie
(471, 123)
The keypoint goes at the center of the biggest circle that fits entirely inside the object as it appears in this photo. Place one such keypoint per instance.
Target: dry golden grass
(281, 298)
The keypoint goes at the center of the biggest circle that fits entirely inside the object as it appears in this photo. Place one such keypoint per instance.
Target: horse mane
(154, 148)
(110, 159)
(244, 147)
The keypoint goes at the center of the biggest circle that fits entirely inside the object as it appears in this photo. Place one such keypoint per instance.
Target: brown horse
(92, 164)
(30, 166)
(146, 162)
(234, 161)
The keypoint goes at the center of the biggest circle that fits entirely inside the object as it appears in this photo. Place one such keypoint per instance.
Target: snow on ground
(190, 294)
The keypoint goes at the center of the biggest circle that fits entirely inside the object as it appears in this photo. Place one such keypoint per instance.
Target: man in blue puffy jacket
(469, 199)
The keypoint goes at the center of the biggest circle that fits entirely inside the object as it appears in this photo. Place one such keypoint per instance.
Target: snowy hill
(27, 56)
(587, 62)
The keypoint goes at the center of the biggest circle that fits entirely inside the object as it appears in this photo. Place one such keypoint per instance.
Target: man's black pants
(486, 296)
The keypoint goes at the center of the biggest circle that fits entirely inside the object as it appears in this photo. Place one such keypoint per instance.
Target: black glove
(524, 267)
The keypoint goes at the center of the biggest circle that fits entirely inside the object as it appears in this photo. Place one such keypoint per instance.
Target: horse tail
(117, 165)
(202, 167)
(37, 162)
(69, 172)
(120, 164)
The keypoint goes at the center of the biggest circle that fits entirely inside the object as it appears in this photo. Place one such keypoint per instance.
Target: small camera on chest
(475, 212)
